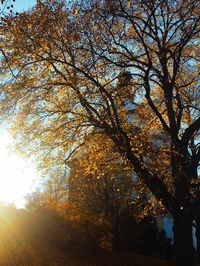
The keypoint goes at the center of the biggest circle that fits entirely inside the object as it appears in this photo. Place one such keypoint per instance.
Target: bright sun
(17, 177)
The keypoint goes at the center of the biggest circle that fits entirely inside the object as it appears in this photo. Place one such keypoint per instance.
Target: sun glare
(17, 176)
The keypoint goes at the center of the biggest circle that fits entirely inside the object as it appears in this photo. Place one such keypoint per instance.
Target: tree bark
(183, 243)
(197, 220)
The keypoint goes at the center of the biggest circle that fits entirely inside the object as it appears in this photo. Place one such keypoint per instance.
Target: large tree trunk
(197, 220)
(182, 212)
(183, 243)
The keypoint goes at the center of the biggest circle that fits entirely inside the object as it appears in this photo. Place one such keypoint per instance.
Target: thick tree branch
(189, 132)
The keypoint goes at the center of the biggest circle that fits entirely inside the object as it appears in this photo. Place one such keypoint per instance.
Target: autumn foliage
(126, 69)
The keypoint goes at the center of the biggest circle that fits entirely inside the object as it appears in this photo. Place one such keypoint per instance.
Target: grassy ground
(22, 254)
(25, 241)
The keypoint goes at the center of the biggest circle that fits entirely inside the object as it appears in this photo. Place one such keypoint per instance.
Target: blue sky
(22, 5)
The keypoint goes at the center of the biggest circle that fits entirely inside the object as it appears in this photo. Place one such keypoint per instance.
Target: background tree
(104, 186)
(103, 202)
(66, 79)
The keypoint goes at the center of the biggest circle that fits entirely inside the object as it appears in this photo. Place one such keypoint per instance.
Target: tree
(99, 192)
(104, 186)
(63, 79)
(103, 204)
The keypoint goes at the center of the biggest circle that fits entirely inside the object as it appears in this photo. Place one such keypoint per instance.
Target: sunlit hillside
(33, 239)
